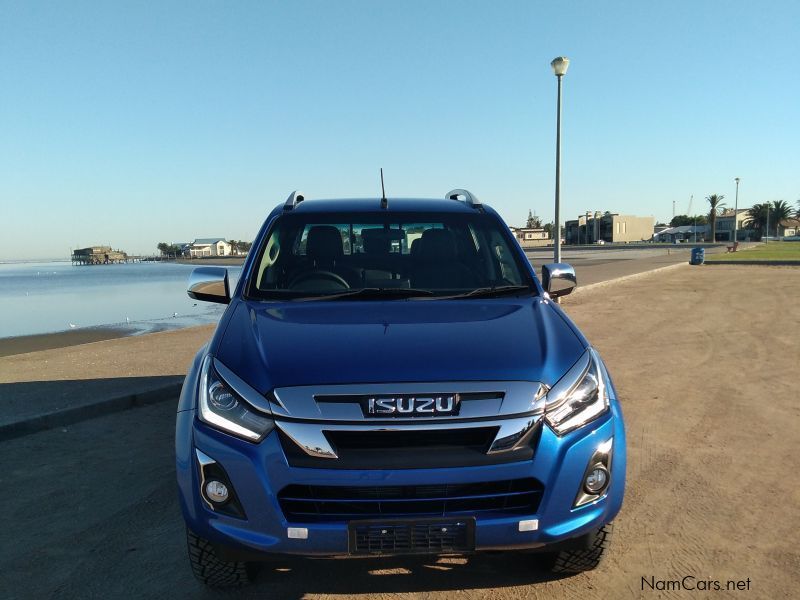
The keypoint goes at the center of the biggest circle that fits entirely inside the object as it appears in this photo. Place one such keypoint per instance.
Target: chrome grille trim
(499, 399)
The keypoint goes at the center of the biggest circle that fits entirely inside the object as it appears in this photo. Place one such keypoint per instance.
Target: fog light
(596, 480)
(216, 491)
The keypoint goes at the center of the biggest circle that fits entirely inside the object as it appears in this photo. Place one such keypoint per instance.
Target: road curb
(768, 263)
(76, 414)
(600, 284)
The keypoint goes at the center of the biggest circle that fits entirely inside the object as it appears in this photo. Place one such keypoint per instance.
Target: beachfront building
(725, 226)
(789, 228)
(531, 237)
(611, 228)
(209, 247)
(682, 233)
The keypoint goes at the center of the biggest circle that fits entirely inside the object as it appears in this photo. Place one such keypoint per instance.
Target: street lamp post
(736, 214)
(560, 66)
(766, 239)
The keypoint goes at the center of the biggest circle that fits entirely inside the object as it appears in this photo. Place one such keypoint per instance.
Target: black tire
(212, 571)
(581, 559)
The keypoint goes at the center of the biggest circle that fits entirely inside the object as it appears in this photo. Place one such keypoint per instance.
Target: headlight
(221, 407)
(580, 396)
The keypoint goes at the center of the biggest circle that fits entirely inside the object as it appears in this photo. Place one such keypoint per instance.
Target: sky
(131, 123)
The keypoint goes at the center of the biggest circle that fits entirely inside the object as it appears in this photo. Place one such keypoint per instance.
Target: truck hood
(338, 342)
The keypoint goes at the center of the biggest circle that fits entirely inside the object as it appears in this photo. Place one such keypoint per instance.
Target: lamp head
(560, 66)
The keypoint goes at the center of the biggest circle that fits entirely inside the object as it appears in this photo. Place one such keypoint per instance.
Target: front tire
(212, 571)
(582, 559)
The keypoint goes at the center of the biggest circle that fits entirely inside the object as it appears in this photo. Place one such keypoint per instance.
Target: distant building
(209, 247)
(98, 255)
(789, 228)
(659, 228)
(725, 226)
(611, 228)
(531, 237)
(184, 247)
(683, 233)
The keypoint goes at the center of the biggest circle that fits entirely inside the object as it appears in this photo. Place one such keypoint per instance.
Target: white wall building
(209, 247)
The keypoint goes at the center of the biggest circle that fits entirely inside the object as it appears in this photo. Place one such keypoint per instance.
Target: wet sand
(62, 339)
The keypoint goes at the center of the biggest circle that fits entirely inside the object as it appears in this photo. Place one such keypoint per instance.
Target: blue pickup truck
(391, 377)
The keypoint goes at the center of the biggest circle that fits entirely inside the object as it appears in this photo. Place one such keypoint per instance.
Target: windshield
(387, 256)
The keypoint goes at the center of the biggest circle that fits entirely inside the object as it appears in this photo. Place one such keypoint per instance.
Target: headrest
(324, 242)
(438, 245)
(376, 241)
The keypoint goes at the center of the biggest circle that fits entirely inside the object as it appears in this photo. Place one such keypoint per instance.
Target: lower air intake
(309, 503)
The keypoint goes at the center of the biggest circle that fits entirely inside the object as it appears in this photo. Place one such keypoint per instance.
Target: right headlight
(221, 407)
(578, 397)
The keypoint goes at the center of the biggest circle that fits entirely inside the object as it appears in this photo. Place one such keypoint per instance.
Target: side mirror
(558, 279)
(209, 284)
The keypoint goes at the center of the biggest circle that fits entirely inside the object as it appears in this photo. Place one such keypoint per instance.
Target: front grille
(410, 449)
(344, 503)
(416, 537)
(475, 438)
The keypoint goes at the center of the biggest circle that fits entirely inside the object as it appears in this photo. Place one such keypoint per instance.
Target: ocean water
(46, 297)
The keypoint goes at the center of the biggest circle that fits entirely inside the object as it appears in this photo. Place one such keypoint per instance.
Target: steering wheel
(303, 282)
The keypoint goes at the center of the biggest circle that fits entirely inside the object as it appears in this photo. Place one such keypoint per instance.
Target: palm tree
(757, 217)
(781, 211)
(716, 203)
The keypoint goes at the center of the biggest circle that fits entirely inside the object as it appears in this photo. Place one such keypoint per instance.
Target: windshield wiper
(370, 292)
(488, 292)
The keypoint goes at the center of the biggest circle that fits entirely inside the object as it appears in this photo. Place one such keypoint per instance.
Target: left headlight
(578, 397)
(221, 407)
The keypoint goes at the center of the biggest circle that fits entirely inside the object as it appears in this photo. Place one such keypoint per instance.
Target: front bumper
(259, 471)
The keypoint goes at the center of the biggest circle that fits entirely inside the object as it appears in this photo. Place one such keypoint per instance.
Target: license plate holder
(411, 536)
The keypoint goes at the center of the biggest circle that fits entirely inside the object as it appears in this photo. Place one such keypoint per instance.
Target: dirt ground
(706, 362)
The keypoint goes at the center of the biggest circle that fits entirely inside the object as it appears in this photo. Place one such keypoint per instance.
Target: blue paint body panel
(275, 344)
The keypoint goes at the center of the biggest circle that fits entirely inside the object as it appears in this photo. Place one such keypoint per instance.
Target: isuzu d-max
(391, 377)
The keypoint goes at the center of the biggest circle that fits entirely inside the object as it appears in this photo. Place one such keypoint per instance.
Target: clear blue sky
(138, 122)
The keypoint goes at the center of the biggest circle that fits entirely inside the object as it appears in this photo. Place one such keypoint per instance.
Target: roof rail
(469, 198)
(293, 200)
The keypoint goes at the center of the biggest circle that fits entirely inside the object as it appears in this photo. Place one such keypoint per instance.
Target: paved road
(594, 266)
(90, 511)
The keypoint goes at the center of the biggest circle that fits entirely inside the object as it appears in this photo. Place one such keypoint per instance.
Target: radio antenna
(384, 201)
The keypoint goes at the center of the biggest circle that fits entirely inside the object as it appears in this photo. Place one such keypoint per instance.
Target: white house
(209, 247)
(531, 236)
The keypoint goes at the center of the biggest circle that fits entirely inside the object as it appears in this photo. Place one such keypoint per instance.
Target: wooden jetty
(105, 255)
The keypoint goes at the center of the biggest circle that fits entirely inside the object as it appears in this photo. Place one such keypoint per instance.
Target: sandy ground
(153, 354)
(705, 361)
